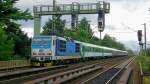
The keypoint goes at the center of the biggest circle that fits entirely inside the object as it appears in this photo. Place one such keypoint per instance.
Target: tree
(148, 51)
(130, 52)
(111, 42)
(83, 31)
(58, 28)
(84, 25)
(54, 26)
(6, 45)
(9, 15)
(21, 40)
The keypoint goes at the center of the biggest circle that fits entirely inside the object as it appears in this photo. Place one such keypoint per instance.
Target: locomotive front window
(41, 46)
(40, 42)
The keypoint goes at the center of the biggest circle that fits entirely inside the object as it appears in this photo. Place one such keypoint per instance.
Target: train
(49, 50)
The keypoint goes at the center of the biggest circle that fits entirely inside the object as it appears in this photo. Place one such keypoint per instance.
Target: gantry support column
(37, 24)
(74, 20)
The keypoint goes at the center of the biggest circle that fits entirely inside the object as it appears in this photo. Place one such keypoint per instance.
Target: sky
(123, 21)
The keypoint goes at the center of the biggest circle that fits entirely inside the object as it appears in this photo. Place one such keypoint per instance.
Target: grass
(146, 80)
(145, 62)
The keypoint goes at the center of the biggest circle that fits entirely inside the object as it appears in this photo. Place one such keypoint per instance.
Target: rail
(141, 72)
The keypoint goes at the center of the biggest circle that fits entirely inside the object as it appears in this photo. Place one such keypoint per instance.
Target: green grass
(145, 65)
(146, 80)
(145, 62)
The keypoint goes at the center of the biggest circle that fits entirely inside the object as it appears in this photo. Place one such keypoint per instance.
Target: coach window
(87, 48)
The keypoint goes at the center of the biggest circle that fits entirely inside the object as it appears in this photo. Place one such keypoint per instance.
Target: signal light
(49, 54)
(101, 21)
(100, 26)
(139, 33)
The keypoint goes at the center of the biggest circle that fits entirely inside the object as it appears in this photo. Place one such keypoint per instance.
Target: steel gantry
(74, 9)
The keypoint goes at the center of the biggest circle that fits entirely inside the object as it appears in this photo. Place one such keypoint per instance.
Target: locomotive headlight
(49, 53)
(34, 53)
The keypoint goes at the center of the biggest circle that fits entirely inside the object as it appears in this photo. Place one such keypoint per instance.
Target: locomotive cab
(42, 49)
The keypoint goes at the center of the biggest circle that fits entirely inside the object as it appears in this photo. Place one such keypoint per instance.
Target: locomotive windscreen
(41, 46)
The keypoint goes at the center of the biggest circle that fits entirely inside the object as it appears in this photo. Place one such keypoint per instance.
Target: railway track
(109, 76)
(10, 73)
(8, 77)
(108, 68)
(65, 76)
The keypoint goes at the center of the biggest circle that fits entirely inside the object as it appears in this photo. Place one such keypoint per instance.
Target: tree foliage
(8, 16)
(111, 42)
(82, 33)
(21, 40)
(142, 52)
(59, 26)
(130, 52)
(148, 51)
(54, 26)
(9, 13)
(6, 45)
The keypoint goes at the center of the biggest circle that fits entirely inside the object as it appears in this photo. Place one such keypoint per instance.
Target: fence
(14, 63)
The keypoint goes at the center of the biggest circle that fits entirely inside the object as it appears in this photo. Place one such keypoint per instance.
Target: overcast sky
(124, 19)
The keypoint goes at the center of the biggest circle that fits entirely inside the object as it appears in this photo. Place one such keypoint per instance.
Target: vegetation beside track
(144, 62)
(146, 80)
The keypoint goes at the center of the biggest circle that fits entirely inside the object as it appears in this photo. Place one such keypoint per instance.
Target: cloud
(110, 27)
(132, 45)
(129, 5)
(28, 30)
(26, 24)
